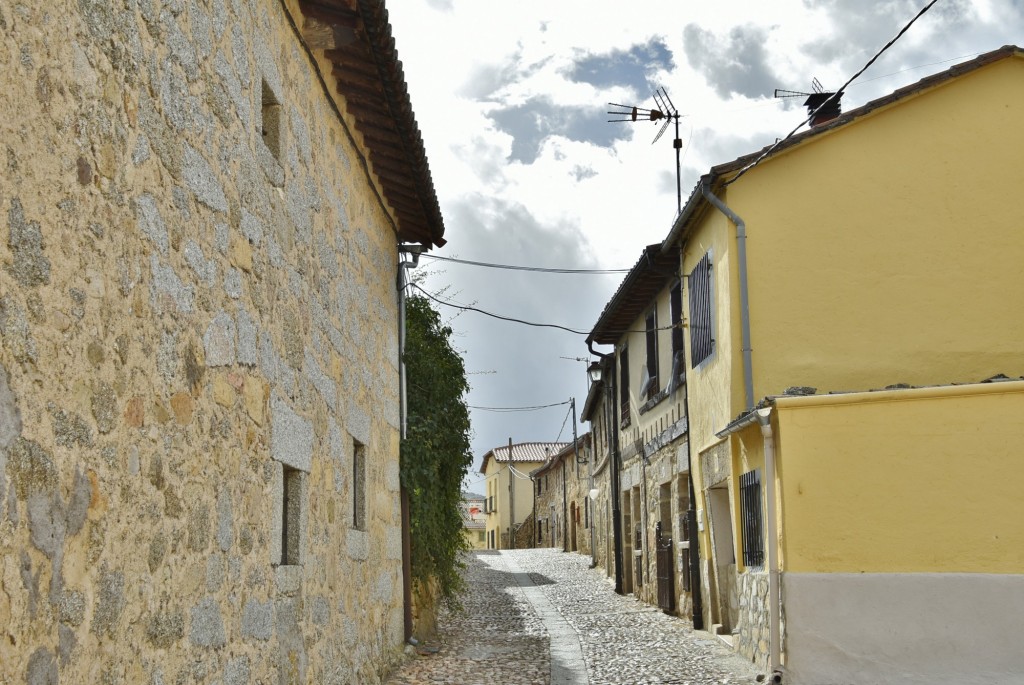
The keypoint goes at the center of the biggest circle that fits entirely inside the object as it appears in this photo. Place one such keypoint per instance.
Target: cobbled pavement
(499, 639)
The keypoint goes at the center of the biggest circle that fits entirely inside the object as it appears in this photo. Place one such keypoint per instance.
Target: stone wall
(526, 533)
(198, 319)
(753, 637)
(547, 506)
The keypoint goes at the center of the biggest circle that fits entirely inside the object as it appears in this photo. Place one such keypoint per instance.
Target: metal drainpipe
(741, 254)
(774, 646)
(403, 267)
(613, 427)
(565, 511)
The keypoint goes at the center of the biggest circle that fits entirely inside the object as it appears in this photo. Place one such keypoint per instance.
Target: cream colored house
(202, 213)
(509, 489)
(643, 323)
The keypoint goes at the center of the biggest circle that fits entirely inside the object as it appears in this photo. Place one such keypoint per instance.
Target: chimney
(827, 113)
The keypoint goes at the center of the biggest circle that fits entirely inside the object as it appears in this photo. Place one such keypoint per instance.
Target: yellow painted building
(899, 533)
(508, 487)
(878, 249)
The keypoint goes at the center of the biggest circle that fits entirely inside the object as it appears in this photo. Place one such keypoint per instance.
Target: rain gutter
(741, 258)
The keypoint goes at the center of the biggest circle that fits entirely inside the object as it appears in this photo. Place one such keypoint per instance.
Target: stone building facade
(561, 507)
(199, 369)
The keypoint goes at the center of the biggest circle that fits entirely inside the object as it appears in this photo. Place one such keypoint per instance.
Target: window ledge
(358, 545)
(653, 402)
(288, 578)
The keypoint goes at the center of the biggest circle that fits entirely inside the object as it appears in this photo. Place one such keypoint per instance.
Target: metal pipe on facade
(774, 610)
(565, 511)
(741, 259)
(403, 267)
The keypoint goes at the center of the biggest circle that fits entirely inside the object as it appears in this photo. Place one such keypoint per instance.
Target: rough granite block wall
(184, 312)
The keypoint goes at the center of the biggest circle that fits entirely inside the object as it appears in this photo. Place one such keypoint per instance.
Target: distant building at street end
(561, 506)
(508, 487)
(474, 520)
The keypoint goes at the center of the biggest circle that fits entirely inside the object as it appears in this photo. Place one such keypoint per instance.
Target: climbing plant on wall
(436, 451)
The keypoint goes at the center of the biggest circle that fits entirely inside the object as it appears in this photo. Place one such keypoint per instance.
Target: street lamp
(594, 372)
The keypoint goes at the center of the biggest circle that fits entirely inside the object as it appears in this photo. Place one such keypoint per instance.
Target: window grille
(750, 515)
(702, 344)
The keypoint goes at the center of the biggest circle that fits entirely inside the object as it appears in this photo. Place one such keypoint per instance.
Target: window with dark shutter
(650, 381)
(702, 344)
(624, 386)
(678, 377)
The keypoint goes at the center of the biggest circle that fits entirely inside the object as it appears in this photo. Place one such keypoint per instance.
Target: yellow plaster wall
(926, 480)
(890, 250)
(714, 401)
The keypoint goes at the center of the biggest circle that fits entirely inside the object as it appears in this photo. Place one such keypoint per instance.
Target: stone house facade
(596, 411)
(200, 219)
(562, 506)
(640, 410)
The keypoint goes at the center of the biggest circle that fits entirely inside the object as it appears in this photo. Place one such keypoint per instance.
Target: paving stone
(501, 636)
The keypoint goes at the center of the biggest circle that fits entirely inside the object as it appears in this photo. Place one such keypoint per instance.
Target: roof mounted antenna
(822, 105)
(665, 111)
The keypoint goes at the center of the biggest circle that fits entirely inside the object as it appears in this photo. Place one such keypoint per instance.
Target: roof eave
(355, 36)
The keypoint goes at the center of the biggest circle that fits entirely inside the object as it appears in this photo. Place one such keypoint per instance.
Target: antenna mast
(666, 111)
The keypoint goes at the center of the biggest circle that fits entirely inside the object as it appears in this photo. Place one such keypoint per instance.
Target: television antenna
(665, 111)
(822, 105)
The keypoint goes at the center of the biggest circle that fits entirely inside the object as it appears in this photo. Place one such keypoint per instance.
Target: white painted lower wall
(909, 628)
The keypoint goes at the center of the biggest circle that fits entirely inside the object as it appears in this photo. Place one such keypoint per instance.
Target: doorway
(723, 587)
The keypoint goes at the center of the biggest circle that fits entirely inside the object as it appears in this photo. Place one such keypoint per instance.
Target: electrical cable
(467, 308)
(834, 95)
(514, 409)
(527, 268)
(564, 421)
(517, 473)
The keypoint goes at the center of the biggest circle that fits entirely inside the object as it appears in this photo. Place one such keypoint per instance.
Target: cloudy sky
(511, 98)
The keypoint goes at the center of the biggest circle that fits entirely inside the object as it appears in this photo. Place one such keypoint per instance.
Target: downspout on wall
(741, 258)
(763, 418)
(403, 268)
(774, 610)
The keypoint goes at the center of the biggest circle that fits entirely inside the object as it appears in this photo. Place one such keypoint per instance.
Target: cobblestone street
(543, 616)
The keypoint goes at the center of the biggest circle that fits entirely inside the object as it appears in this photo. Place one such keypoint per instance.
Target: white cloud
(578, 203)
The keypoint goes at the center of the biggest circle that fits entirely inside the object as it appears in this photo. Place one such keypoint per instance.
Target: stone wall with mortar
(186, 309)
(753, 638)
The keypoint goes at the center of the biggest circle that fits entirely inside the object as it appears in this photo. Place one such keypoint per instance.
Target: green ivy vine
(436, 452)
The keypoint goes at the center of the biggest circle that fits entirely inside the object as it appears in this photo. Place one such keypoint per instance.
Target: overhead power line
(512, 319)
(835, 95)
(467, 308)
(527, 268)
(515, 409)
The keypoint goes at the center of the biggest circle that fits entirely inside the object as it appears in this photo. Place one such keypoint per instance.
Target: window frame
(651, 386)
(701, 303)
(752, 519)
(624, 414)
(359, 499)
